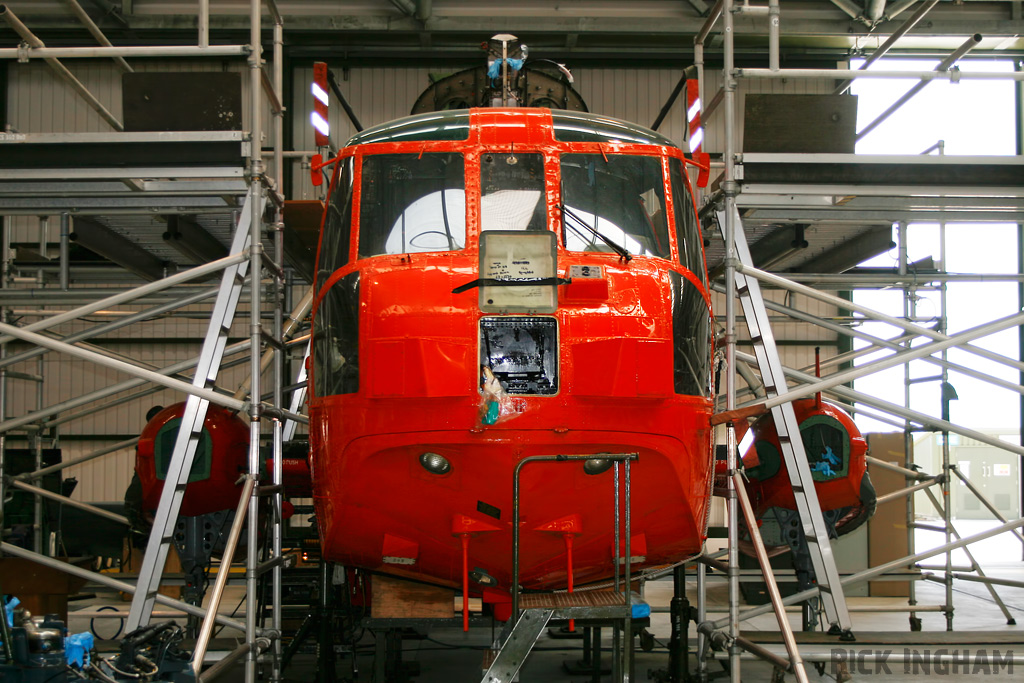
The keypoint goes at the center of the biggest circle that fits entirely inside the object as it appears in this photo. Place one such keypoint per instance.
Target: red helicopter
(501, 282)
(494, 284)
(214, 486)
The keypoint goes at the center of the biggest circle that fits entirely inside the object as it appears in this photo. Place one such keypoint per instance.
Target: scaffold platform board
(894, 638)
(872, 187)
(105, 173)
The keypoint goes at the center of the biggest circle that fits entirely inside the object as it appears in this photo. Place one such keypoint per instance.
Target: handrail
(614, 457)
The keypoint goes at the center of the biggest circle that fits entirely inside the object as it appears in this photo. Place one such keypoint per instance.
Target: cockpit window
(412, 203)
(620, 196)
(337, 226)
(512, 192)
(688, 234)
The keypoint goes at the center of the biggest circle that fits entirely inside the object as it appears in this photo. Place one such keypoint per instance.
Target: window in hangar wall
(972, 117)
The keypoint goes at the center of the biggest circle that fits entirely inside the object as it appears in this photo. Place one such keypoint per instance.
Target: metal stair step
(586, 605)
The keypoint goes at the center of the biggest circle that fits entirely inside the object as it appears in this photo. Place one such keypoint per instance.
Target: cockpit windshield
(415, 203)
(622, 197)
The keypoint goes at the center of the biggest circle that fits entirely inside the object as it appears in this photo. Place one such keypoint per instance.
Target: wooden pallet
(394, 598)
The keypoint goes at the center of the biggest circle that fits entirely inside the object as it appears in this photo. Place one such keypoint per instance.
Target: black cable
(62, 672)
(92, 622)
(453, 646)
(233, 612)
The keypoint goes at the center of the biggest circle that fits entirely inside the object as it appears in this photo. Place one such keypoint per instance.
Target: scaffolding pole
(951, 533)
(62, 71)
(872, 314)
(89, 24)
(895, 344)
(912, 353)
(730, 189)
(109, 581)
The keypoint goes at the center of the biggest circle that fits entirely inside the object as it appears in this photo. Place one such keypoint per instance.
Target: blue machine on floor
(38, 650)
(34, 650)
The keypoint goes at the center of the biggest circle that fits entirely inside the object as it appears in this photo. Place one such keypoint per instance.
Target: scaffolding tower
(796, 187)
(227, 193)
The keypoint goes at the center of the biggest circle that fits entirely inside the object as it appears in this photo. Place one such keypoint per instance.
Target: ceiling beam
(111, 10)
(841, 258)
(778, 246)
(406, 7)
(192, 240)
(807, 19)
(112, 246)
(699, 6)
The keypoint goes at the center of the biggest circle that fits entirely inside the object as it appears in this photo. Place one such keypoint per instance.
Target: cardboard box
(887, 529)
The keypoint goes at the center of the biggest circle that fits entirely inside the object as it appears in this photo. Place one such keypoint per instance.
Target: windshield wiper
(621, 251)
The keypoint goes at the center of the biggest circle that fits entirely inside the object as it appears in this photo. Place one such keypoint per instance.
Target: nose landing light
(435, 463)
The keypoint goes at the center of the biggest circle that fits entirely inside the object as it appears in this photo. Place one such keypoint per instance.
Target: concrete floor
(448, 655)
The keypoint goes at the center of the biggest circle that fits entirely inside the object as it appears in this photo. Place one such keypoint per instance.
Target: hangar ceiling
(394, 31)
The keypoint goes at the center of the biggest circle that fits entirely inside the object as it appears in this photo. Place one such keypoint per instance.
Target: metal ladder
(191, 428)
(812, 522)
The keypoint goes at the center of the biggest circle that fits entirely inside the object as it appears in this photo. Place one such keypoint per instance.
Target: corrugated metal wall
(39, 102)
